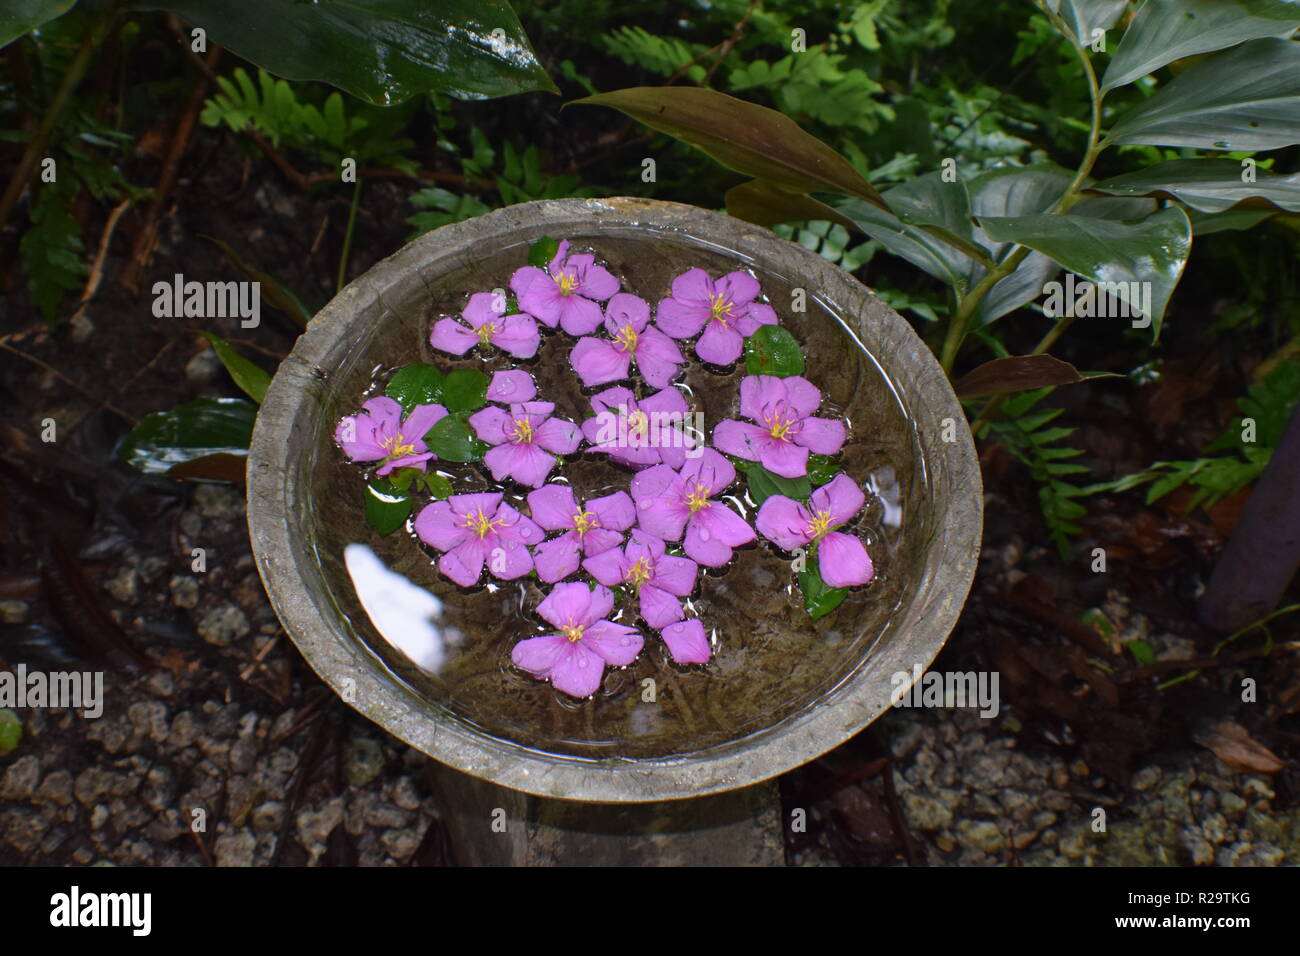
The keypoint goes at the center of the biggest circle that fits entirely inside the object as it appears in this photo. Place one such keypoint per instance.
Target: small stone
(151, 567)
(363, 761)
(981, 835)
(98, 816)
(223, 625)
(21, 778)
(149, 717)
(218, 501)
(1215, 828)
(124, 586)
(185, 591)
(235, 849)
(203, 368)
(268, 817)
(944, 843)
(91, 785)
(400, 843)
(161, 683)
(405, 794)
(1264, 827)
(13, 612)
(56, 788)
(926, 812)
(1232, 805)
(1146, 778)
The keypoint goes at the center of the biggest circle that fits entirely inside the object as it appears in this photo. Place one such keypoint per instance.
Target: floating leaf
(1241, 99)
(819, 598)
(822, 468)
(464, 390)
(11, 731)
(452, 440)
(387, 507)
(413, 385)
(247, 376)
(202, 427)
(742, 136)
(763, 484)
(541, 252)
(771, 350)
(437, 485)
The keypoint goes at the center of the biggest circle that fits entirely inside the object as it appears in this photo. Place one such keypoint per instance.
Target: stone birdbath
(780, 688)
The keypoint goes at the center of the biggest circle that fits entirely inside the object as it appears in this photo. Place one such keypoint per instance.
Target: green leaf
(274, 293)
(763, 484)
(742, 136)
(1204, 224)
(1141, 651)
(1084, 16)
(541, 252)
(382, 51)
(436, 485)
(819, 598)
(246, 375)
(1240, 99)
(764, 204)
(387, 506)
(464, 390)
(1210, 185)
(772, 350)
(1163, 31)
(822, 468)
(453, 440)
(1017, 373)
(1119, 256)
(202, 427)
(20, 17)
(11, 731)
(413, 385)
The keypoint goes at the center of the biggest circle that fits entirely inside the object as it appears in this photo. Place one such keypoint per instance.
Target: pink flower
(669, 503)
(725, 309)
(786, 433)
(473, 530)
(588, 529)
(648, 432)
(574, 660)
(527, 439)
(660, 580)
(687, 642)
(516, 334)
(566, 293)
(841, 558)
(511, 385)
(379, 433)
(627, 320)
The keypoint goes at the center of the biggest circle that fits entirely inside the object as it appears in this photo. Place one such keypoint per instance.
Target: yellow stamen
(522, 430)
(777, 425)
(720, 307)
(480, 523)
(698, 499)
(397, 447)
(638, 424)
(572, 631)
(640, 573)
(627, 338)
(584, 521)
(568, 283)
(486, 331)
(820, 525)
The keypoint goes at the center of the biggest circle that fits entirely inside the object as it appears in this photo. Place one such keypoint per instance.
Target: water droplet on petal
(704, 534)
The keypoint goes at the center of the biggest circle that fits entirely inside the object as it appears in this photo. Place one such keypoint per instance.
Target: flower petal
(652, 483)
(784, 522)
(567, 604)
(464, 563)
(626, 309)
(509, 557)
(616, 511)
(675, 575)
(693, 285)
(784, 458)
(438, 526)
(663, 517)
(821, 436)
(841, 496)
(713, 532)
(600, 540)
(490, 424)
(448, 335)
(523, 278)
(667, 401)
(553, 507)
(518, 336)
(758, 392)
(843, 561)
(542, 300)
(355, 435)
(687, 642)
(597, 283)
(578, 671)
(681, 319)
(421, 419)
(801, 396)
(479, 309)
(557, 558)
(558, 436)
(711, 470)
(598, 361)
(617, 644)
(739, 287)
(659, 608)
(539, 655)
(608, 567)
(719, 345)
(657, 357)
(579, 315)
(734, 437)
(524, 462)
(511, 385)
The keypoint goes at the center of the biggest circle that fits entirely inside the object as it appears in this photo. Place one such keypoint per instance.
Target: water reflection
(404, 613)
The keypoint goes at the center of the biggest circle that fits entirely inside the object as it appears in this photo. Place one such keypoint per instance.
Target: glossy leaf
(764, 204)
(413, 385)
(436, 485)
(541, 252)
(1163, 31)
(1114, 254)
(11, 731)
(819, 598)
(822, 468)
(1018, 373)
(1207, 223)
(223, 466)
(763, 484)
(742, 136)
(387, 507)
(464, 390)
(383, 51)
(772, 350)
(204, 426)
(1085, 16)
(246, 375)
(273, 292)
(1210, 185)
(453, 440)
(20, 17)
(1241, 99)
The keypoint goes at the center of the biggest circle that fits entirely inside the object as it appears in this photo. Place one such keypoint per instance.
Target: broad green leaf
(764, 204)
(819, 598)
(1210, 185)
(274, 293)
(436, 485)
(464, 390)
(541, 252)
(763, 484)
(204, 426)
(1085, 16)
(1141, 651)
(383, 51)
(1244, 98)
(742, 136)
(246, 375)
(1163, 31)
(1204, 224)
(908, 242)
(1134, 261)
(453, 440)
(772, 350)
(413, 385)
(387, 506)
(20, 17)
(822, 468)
(11, 731)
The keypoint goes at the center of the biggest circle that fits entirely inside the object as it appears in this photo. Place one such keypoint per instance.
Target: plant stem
(347, 235)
